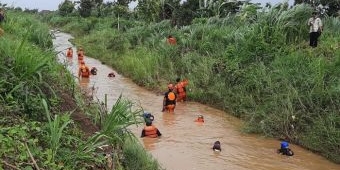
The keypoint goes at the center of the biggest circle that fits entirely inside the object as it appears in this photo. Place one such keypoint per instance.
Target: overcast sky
(53, 4)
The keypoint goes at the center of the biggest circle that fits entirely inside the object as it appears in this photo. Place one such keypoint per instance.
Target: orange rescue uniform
(150, 131)
(84, 71)
(172, 41)
(180, 90)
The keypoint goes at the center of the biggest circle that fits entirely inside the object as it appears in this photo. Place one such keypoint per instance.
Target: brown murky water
(186, 145)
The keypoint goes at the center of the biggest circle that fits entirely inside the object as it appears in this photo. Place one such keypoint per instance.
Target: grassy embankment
(257, 67)
(43, 114)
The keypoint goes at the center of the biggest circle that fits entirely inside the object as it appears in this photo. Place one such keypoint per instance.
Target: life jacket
(171, 96)
(180, 87)
(84, 71)
(150, 131)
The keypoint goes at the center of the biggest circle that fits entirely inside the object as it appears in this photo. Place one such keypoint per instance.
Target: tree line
(180, 13)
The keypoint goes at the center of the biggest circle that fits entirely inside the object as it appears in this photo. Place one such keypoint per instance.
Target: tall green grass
(30, 74)
(24, 65)
(56, 128)
(259, 68)
(135, 157)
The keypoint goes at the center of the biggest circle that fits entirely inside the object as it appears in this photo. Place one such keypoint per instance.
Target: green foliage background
(34, 120)
(255, 65)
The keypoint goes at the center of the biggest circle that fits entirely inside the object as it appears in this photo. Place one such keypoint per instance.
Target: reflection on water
(84, 82)
(186, 145)
(168, 119)
(149, 143)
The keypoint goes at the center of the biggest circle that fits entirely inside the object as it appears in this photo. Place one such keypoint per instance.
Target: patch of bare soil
(83, 121)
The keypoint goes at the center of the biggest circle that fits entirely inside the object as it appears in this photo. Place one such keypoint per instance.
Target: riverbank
(278, 81)
(46, 121)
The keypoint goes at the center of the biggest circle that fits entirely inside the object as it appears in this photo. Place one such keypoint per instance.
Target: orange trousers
(170, 108)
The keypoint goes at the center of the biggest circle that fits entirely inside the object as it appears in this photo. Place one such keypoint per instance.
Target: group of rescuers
(175, 93)
(84, 71)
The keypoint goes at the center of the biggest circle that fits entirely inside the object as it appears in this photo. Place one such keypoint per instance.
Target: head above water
(170, 86)
(217, 146)
(178, 79)
(200, 116)
(284, 144)
(148, 116)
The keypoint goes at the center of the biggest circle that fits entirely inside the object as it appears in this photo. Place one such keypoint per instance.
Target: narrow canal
(186, 145)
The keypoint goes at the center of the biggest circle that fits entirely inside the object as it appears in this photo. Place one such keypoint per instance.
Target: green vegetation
(42, 113)
(255, 64)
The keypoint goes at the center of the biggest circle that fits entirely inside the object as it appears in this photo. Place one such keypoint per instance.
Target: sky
(53, 4)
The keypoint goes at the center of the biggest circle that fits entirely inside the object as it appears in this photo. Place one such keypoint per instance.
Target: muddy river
(186, 145)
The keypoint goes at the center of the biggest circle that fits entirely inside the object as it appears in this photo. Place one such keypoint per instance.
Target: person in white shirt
(315, 29)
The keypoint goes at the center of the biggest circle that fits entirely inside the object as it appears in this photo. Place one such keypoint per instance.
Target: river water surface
(186, 145)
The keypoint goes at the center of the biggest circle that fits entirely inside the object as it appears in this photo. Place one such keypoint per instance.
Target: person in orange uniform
(181, 90)
(84, 70)
(150, 130)
(169, 100)
(200, 118)
(171, 40)
(69, 52)
(80, 54)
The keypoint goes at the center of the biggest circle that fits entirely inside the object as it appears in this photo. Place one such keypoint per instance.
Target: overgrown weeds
(258, 68)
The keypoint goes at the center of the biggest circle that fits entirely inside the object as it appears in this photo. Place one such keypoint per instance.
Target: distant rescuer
(181, 90)
(171, 40)
(84, 70)
(169, 100)
(284, 149)
(69, 52)
(315, 29)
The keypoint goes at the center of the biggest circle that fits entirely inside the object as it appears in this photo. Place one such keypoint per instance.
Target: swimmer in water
(285, 150)
(217, 146)
(112, 74)
(200, 118)
(94, 71)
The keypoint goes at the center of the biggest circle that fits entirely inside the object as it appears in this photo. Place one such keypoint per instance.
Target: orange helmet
(170, 86)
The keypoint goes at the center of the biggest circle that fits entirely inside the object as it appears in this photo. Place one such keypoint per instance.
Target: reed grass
(260, 69)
